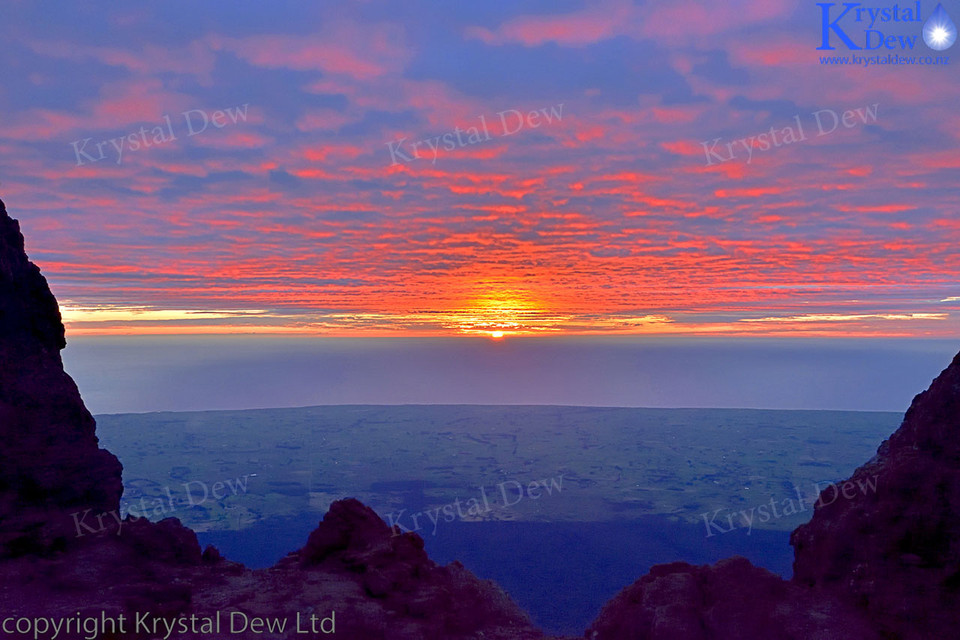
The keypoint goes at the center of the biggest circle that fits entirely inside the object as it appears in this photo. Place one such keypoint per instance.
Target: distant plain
(630, 487)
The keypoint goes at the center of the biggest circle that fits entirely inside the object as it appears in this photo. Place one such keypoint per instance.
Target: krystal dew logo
(862, 27)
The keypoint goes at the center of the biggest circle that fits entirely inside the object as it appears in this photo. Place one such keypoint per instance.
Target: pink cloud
(195, 58)
(683, 148)
(675, 115)
(137, 101)
(343, 49)
(119, 106)
(599, 22)
(323, 119)
(234, 139)
(688, 19)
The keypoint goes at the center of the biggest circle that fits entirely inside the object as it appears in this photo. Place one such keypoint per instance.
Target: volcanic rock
(880, 557)
(50, 462)
(892, 543)
(64, 550)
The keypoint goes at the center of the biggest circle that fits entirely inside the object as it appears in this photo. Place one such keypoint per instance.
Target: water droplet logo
(939, 32)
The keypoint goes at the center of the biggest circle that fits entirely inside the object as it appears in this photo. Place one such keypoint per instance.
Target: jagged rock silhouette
(53, 475)
(880, 561)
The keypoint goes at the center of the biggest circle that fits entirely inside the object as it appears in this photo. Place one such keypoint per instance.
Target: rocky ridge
(64, 550)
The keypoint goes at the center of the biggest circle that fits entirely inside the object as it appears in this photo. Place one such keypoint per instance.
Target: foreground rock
(65, 553)
(731, 600)
(881, 560)
(50, 463)
(895, 550)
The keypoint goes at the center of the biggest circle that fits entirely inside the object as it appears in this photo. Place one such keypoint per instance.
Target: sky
(124, 374)
(496, 169)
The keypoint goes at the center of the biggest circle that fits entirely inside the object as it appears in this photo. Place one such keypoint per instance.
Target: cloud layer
(536, 168)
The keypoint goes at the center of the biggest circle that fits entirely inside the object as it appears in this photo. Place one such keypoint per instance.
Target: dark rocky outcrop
(730, 600)
(64, 549)
(893, 548)
(50, 465)
(879, 559)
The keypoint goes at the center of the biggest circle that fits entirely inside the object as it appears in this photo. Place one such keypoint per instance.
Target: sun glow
(501, 313)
